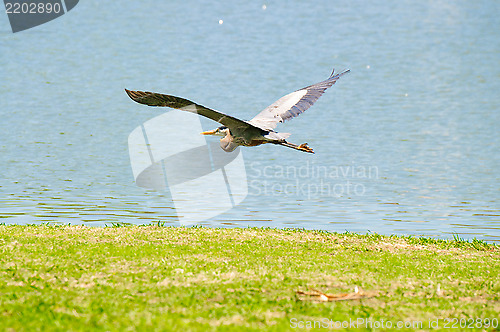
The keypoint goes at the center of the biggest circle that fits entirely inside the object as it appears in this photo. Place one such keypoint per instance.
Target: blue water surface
(407, 143)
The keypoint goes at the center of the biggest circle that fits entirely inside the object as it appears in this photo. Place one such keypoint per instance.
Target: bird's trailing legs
(303, 147)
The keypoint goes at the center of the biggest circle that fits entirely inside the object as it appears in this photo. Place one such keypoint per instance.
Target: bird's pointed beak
(211, 132)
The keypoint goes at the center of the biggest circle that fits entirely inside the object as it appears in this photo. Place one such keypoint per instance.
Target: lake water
(407, 143)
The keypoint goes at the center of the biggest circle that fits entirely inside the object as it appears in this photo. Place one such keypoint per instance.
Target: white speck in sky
(367, 66)
(264, 7)
(221, 21)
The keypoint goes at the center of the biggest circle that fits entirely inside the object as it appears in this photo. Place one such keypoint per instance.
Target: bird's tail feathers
(284, 135)
(277, 136)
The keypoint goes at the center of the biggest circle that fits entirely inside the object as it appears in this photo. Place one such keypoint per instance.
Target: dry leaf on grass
(316, 295)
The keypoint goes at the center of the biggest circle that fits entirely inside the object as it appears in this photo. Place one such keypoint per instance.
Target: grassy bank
(156, 278)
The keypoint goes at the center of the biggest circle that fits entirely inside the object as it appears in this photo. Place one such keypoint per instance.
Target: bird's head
(221, 131)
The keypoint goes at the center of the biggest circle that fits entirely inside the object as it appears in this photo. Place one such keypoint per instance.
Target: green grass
(73, 278)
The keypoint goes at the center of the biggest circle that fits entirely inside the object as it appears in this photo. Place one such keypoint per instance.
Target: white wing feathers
(293, 104)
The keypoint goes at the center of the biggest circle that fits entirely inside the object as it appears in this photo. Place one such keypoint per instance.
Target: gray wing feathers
(293, 104)
(161, 100)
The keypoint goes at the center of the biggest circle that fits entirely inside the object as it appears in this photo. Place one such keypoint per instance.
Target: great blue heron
(260, 129)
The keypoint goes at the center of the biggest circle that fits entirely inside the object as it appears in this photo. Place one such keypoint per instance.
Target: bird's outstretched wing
(293, 104)
(158, 99)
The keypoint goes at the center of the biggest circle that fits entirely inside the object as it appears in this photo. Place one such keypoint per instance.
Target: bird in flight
(259, 130)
